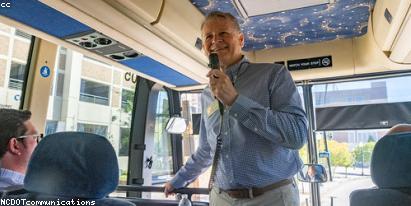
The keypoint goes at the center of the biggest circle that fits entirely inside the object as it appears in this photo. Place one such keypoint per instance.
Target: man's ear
(241, 39)
(14, 146)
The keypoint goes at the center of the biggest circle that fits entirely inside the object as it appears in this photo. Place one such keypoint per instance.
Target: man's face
(220, 36)
(29, 143)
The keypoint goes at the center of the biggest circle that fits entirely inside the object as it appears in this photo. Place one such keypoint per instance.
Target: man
(263, 125)
(18, 138)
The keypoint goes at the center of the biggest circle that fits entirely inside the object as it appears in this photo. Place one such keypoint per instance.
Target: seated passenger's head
(399, 128)
(18, 138)
(73, 165)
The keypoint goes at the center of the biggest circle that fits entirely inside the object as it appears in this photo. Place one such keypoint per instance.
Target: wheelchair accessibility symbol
(45, 71)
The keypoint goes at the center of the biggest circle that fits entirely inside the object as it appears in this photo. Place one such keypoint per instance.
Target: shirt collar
(233, 70)
(16, 177)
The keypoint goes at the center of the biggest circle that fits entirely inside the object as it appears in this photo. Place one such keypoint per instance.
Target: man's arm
(197, 163)
(284, 123)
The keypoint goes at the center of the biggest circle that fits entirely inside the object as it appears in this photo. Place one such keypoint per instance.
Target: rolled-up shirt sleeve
(284, 122)
(197, 163)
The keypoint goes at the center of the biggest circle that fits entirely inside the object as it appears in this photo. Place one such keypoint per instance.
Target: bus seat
(12, 190)
(390, 172)
(74, 165)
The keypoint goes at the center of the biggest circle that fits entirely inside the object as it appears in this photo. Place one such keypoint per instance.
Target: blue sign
(45, 71)
(17, 97)
(324, 154)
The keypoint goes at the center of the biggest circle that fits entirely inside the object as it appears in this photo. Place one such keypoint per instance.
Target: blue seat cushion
(379, 197)
(391, 161)
(73, 164)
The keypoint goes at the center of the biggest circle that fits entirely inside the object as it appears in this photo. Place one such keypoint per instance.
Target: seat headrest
(391, 161)
(73, 164)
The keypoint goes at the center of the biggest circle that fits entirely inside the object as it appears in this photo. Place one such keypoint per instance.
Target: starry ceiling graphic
(342, 19)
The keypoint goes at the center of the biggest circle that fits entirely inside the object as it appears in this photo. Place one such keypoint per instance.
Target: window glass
(362, 92)
(23, 34)
(350, 150)
(60, 84)
(58, 81)
(17, 71)
(127, 98)
(191, 109)
(62, 56)
(124, 141)
(304, 188)
(300, 92)
(51, 127)
(12, 66)
(99, 87)
(92, 128)
(348, 164)
(162, 164)
(94, 92)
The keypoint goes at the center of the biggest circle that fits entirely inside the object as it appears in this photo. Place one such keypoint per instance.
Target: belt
(254, 192)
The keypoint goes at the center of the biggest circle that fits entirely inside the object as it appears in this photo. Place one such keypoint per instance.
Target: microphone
(214, 63)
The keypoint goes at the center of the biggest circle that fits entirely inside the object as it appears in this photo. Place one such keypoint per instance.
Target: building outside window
(14, 50)
(124, 141)
(94, 92)
(162, 166)
(101, 89)
(92, 128)
(51, 127)
(127, 99)
(16, 75)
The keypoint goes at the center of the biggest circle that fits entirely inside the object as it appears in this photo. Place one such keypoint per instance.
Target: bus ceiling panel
(324, 22)
(43, 18)
(52, 22)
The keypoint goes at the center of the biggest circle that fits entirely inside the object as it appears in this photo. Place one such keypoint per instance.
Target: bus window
(300, 92)
(304, 188)
(91, 96)
(191, 109)
(349, 151)
(162, 157)
(158, 158)
(14, 50)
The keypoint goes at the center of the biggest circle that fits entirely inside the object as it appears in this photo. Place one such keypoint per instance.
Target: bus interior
(123, 68)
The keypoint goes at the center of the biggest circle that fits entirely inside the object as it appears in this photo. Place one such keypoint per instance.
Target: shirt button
(226, 133)
(255, 129)
(235, 114)
(226, 156)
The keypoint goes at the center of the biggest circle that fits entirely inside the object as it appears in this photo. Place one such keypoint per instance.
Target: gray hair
(224, 15)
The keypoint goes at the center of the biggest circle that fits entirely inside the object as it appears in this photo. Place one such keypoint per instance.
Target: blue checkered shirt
(262, 131)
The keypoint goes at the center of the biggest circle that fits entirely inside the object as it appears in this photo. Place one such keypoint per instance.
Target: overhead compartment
(401, 50)
(392, 27)
(144, 11)
(180, 23)
(177, 22)
(387, 19)
(166, 31)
